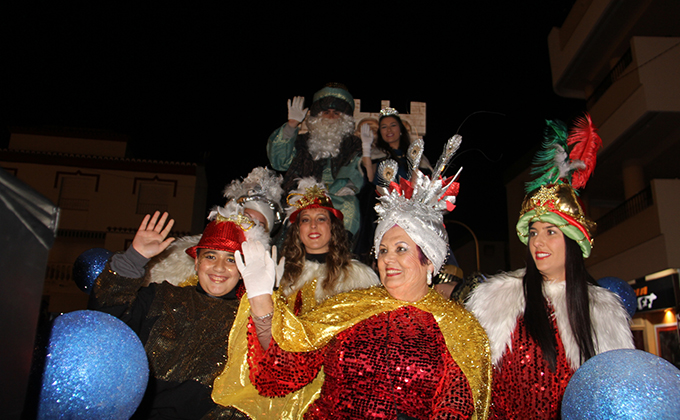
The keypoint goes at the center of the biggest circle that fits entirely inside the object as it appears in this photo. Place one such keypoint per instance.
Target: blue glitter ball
(95, 368)
(88, 266)
(623, 384)
(624, 290)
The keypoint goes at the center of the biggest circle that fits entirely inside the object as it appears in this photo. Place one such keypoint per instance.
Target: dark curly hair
(337, 260)
(404, 138)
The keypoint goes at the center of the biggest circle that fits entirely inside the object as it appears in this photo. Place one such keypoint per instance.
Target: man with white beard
(329, 152)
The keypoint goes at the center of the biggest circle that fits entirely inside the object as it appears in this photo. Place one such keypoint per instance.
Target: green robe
(292, 155)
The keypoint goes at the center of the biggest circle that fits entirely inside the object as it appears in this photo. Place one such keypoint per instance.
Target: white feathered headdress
(261, 191)
(418, 205)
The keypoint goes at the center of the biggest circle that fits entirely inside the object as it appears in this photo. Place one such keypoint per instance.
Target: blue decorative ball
(624, 290)
(95, 368)
(623, 384)
(88, 266)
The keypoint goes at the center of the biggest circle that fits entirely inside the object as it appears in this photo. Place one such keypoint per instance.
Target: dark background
(207, 82)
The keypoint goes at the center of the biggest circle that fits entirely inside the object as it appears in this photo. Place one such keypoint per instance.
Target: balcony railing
(59, 273)
(82, 234)
(614, 75)
(626, 210)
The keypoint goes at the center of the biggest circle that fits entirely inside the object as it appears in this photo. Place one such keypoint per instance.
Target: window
(76, 191)
(154, 196)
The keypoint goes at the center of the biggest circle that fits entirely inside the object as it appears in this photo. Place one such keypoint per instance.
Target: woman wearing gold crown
(316, 265)
(318, 262)
(546, 320)
(397, 351)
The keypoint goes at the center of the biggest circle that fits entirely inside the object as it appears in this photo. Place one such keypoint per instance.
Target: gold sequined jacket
(184, 332)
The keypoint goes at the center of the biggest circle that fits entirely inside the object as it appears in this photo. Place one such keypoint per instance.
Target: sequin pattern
(392, 361)
(524, 387)
(189, 339)
(111, 289)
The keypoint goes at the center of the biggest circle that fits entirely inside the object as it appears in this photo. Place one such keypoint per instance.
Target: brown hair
(337, 259)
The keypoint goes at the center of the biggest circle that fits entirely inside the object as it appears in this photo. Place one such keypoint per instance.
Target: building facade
(101, 194)
(623, 59)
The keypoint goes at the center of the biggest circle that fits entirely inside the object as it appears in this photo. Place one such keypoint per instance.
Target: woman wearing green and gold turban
(546, 320)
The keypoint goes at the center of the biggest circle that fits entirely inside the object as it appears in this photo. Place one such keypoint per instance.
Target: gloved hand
(295, 111)
(366, 140)
(258, 270)
(279, 267)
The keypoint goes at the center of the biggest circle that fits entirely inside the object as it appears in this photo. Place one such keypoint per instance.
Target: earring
(429, 277)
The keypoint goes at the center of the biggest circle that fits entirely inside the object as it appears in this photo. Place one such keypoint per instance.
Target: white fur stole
(356, 276)
(499, 302)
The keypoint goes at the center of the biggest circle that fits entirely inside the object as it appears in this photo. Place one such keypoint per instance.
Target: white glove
(295, 111)
(279, 270)
(366, 140)
(279, 267)
(258, 271)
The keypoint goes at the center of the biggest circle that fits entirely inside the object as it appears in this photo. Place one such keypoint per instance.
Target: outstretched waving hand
(366, 140)
(151, 238)
(296, 113)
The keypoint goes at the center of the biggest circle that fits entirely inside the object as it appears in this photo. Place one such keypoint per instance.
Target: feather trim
(499, 302)
(303, 184)
(414, 155)
(173, 264)
(585, 143)
(450, 148)
(233, 212)
(552, 161)
(233, 190)
(356, 276)
(386, 173)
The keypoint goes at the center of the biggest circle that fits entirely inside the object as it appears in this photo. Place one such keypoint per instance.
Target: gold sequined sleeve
(113, 290)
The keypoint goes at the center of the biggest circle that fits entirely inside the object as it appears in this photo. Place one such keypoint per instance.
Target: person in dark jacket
(184, 330)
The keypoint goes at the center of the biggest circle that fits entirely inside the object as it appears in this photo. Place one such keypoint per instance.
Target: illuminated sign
(655, 294)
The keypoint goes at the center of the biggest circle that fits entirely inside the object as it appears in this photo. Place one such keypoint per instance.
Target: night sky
(208, 83)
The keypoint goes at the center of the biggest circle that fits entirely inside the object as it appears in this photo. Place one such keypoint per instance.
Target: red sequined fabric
(393, 361)
(524, 387)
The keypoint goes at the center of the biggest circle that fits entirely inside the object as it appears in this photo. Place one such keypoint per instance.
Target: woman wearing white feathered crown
(397, 351)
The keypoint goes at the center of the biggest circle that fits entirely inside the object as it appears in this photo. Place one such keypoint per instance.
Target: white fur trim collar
(499, 302)
(356, 276)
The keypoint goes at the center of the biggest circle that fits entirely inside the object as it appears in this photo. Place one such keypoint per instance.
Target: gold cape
(465, 339)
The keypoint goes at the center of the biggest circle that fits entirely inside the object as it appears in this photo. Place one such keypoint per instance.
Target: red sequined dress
(394, 361)
(524, 387)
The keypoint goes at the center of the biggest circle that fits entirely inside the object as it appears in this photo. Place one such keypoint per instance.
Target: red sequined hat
(220, 235)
